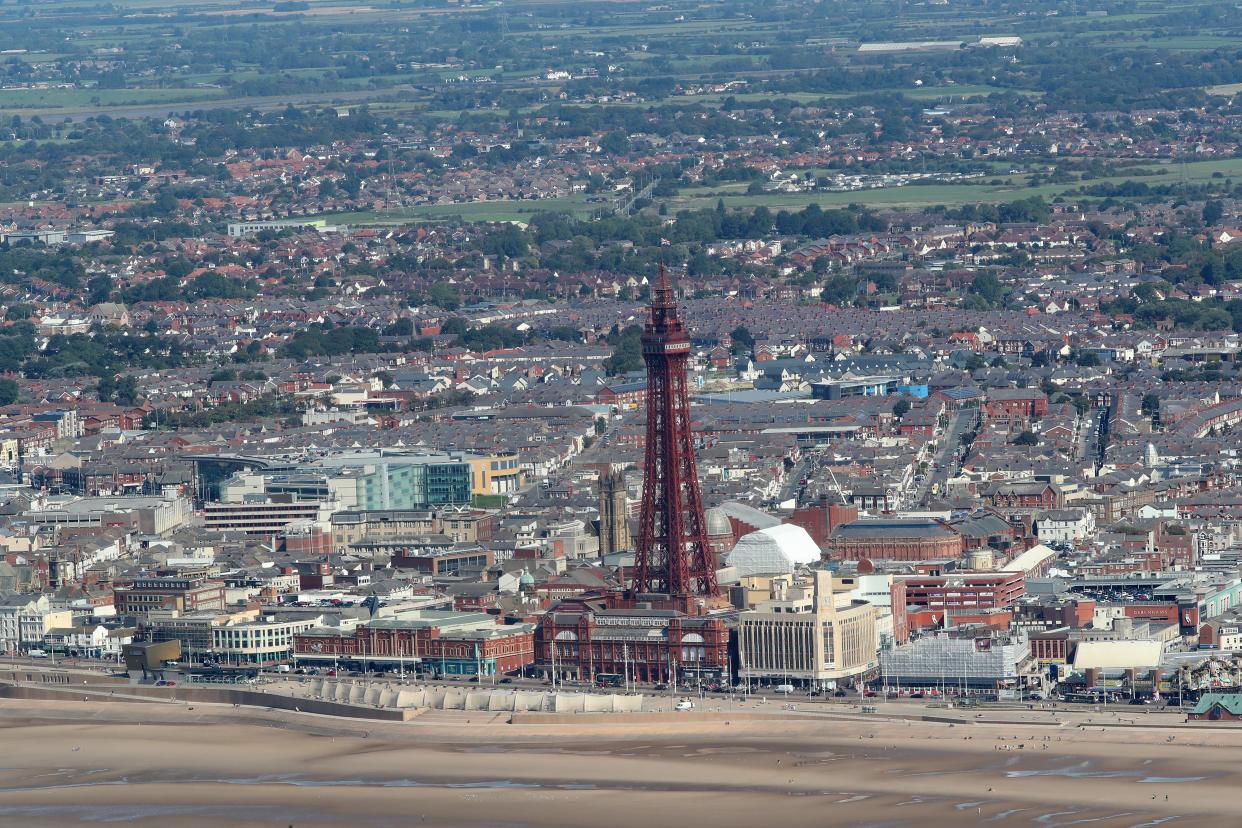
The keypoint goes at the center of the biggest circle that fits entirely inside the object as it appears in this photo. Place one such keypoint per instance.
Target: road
(793, 481)
(945, 460)
(1086, 440)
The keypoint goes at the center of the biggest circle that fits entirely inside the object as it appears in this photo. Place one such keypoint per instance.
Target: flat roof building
(143, 595)
(806, 632)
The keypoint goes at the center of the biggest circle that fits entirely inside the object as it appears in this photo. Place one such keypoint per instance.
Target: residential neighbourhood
(539, 413)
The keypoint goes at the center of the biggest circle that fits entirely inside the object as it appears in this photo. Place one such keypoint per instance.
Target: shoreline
(74, 763)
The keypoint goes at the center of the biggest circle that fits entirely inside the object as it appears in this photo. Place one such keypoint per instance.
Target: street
(945, 462)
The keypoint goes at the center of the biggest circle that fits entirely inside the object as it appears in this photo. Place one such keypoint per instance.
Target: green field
(1227, 89)
(74, 98)
(1183, 42)
(520, 211)
(733, 195)
(951, 194)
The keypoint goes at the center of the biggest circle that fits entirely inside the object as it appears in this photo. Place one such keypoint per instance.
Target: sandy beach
(75, 763)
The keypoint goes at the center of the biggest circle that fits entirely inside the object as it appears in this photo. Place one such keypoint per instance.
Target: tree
(901, 408)
(1212, 212)
(106, 388)
(1026, 438)
(1150, 405)
(444, 296)
(8, 391)
(509, 240)
(126, 391)
(615, 143)
(402, 327)
(100, 288)
(988, 289)
(1145, 292)
(627, 354)
(386, 379)
(743, 342)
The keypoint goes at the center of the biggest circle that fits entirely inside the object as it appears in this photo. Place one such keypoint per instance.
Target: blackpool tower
(673, 556)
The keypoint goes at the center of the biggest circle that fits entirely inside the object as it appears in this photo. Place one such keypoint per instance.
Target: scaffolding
(958, 663)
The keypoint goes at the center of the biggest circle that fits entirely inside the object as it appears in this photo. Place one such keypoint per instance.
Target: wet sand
(73, 764)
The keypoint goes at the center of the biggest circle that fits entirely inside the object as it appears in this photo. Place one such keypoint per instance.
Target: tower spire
(673, 556)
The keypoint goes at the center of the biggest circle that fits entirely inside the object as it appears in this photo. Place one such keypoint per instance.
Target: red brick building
(443, 561)
(1052, 646)
(819, 519)
(1176, 545)
(95, 479)
(582, 638)
(966, 591)
(1015, 404)
(445, 643)
(625, 395)
(930, 619)
(306, 540)
(894, 540)
(1026, 495)
(1217, 707)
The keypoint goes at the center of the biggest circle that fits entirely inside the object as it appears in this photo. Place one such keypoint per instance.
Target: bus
(609, 679)
(1088, 697)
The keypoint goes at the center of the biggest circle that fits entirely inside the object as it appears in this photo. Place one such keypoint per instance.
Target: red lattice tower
(673, 555)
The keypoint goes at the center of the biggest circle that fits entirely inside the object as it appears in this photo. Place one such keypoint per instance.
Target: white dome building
(777, 550)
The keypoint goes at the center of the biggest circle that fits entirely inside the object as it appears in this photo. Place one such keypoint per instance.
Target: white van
(684, 704)
(785, 688)
(282, 668)
(37, 654)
